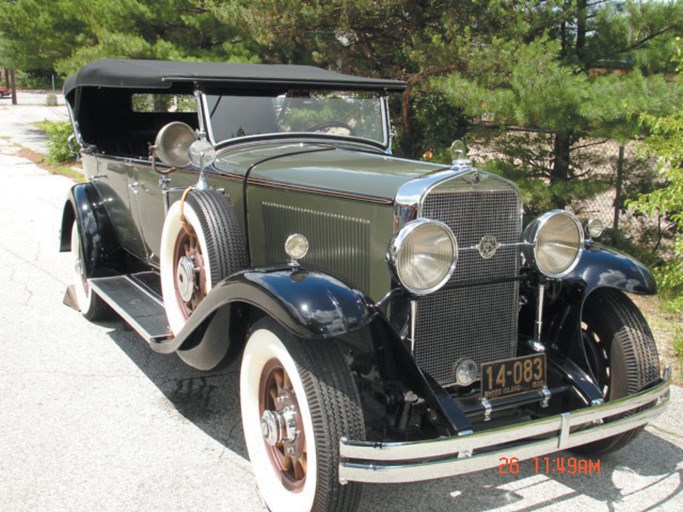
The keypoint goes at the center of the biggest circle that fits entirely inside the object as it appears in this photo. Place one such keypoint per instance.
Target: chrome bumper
(377, 462)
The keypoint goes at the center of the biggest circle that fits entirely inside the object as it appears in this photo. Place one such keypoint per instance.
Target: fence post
(620, 180)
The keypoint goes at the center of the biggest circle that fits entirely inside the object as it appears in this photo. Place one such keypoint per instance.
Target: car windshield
(334, 113)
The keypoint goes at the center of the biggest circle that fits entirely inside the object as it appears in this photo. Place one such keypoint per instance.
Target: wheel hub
(282, 426)
(185, 278)
(279, 426)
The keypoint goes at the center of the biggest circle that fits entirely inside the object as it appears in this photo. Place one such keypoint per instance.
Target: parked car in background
(395, 320)
(4, 93)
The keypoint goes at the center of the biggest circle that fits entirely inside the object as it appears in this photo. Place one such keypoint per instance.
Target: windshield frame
(385, 144)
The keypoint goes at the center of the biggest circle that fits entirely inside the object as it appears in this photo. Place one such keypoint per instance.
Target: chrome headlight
(423, 255)
(554, 242)
(594, 228)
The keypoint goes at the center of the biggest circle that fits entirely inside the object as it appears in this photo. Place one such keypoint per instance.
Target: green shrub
(58, 147)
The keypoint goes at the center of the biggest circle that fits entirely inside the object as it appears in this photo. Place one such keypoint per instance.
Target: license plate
(512, 376)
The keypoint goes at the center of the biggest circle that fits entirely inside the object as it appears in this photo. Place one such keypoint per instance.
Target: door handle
(134, 187)
(97, 177)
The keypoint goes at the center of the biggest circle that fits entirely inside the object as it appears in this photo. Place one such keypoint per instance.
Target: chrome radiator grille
(475, 315)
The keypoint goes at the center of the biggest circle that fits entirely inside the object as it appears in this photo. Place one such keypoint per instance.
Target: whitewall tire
(89, 303)
(196, 256)
(298, 398)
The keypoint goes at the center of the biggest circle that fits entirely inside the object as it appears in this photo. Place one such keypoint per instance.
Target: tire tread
(639, 351)
(224, 239)
(335, 409)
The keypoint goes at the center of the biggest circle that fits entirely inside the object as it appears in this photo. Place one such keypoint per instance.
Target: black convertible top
(158, 74)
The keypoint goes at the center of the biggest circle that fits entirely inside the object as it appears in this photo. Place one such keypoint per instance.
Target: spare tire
(197, 252)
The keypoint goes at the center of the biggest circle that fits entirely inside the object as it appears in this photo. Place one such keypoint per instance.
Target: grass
(677, 345)
(43, 162)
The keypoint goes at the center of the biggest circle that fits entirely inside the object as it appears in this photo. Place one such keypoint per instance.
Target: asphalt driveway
(91, 419)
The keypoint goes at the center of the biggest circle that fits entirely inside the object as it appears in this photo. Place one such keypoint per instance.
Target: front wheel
(620, 354)
(298, 398)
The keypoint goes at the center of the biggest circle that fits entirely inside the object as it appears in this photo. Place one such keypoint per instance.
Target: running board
(143, 311)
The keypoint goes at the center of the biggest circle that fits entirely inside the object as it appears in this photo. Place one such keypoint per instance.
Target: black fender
(312, 305)
(102, 253)
(603, 267)
(308, 303)
(599, 267)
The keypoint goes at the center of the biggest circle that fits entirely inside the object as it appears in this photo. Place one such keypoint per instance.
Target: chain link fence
(613, 174)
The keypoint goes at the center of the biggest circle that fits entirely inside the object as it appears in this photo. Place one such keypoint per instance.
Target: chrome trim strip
(279, 185)
(413, 326)
(377, 462)
(500, 246)
(410, 196)
(565, 425)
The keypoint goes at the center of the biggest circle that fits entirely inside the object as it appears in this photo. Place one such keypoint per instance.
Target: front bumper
(378, 462)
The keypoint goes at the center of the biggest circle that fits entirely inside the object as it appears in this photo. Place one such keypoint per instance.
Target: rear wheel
(90, 304)
(298, 398)
(620, 354)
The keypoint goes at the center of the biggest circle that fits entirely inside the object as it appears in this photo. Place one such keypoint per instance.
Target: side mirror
(172, 144)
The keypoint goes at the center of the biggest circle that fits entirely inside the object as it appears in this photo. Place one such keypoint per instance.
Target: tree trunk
(619, 199)
(13, 86)
(407, 139)
(581, 28)
(560, 171)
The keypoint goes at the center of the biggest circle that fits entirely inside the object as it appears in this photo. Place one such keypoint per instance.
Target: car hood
(311, 166)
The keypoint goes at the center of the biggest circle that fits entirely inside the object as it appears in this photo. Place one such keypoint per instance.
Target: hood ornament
(459, 154)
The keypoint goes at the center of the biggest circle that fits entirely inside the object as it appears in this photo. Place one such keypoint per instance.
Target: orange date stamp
(550, 465)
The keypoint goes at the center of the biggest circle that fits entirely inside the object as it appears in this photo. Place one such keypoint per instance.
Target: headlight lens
(555, 240)
(423, 255)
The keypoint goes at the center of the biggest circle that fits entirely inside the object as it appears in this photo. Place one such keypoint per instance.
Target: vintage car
(395, 320)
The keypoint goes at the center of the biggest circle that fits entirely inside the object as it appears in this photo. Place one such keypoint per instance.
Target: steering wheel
(331, 124)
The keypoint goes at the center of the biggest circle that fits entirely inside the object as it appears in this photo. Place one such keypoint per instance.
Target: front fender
(309, 303)
(102, 254)
(312, 305)
(604, 267)
(599, 267)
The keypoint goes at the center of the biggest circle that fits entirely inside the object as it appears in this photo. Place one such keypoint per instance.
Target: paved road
(91, 419)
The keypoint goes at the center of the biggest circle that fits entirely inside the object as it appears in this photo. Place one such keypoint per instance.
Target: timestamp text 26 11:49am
(551, 465)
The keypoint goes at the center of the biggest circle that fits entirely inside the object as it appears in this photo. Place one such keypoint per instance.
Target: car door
(148, 202)
(112, 181)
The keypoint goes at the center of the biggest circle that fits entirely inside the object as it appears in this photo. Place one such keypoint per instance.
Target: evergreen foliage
(666, 142)
(566, 71)
(63, 35)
